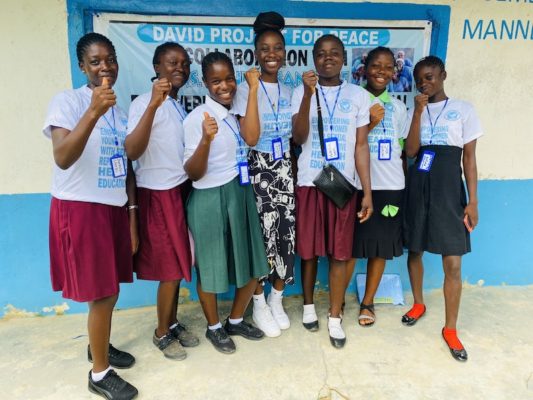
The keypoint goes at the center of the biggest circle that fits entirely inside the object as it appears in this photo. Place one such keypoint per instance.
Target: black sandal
(371, 318)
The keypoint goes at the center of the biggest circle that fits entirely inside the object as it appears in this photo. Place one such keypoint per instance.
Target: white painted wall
(496, 75)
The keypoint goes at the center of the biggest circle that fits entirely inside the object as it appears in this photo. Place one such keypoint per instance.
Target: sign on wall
(135, 38)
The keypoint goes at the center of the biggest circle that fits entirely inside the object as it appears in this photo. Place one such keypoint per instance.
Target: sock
(215, 327)
(309, 313)
(450, 336)
(276, 295)
(237, 320)
(98, 376)
(259, 300)
(416, 311)
(173, 325)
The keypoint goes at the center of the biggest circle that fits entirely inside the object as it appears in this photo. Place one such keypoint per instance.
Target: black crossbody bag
(331, 181)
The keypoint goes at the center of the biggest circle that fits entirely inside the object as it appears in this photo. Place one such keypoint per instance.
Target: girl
(155, 139)
(437, 216)
(90, 245)
(271, 169)
(323, 229)
(221, 209)
(380, 238)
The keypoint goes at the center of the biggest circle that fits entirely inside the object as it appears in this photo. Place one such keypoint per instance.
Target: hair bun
(269, 20)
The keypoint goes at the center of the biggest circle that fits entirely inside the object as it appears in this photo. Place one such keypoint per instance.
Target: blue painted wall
(501, 250)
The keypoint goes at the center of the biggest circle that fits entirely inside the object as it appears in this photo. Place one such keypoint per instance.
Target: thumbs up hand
(209, 128)
(103, 98)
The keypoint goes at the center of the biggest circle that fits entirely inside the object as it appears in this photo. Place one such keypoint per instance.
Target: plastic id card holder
(244, 175)
(277, 149)
(118, 166)
(384, 149)
(332, 149)
(426, 160)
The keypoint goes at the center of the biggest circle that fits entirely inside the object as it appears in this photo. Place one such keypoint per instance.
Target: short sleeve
(363, 111)
(403, 120)
(296, 99)
(64, 111)
(240, 101)
(471, 125)
(192, 129)
(137, 109)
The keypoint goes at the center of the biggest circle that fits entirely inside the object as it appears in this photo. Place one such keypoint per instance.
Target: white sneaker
(337, 337)
(279, 314)
(263, 319)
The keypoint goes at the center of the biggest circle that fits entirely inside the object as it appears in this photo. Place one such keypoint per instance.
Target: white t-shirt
(457, 124)
(387, 174)
(350, 113)
(268, 110)
(160, 167)
(226, 150)
(90, 178)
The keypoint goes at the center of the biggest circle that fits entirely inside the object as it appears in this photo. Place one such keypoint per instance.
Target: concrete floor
(44, 358)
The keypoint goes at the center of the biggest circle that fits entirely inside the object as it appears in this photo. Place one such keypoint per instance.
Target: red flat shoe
(414, 314)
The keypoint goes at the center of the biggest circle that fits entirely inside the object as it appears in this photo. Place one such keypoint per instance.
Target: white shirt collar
(220, 111)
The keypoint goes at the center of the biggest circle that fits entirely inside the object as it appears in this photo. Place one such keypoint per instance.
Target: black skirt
(380, 236)
(434, 204)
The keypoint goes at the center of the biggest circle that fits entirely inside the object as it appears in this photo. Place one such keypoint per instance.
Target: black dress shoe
(244, 329)
(112, 387)
(220, 339)
(459, 355)
(311, 326)
(337, 343)
(117, 358)
(410, 321)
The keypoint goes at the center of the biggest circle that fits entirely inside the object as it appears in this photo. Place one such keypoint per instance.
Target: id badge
(332, 149)
(244, 175)
(277, 149)
(426, 160)
(118, 166)
(384, 149)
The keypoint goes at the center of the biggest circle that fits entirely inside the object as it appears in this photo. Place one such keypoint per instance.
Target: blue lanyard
(237, 136)
(276, 114)
(330, 112)
(182, 117)
(114, 127)
(433, 125)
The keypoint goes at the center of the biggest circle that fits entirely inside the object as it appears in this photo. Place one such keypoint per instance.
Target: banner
(135, 42)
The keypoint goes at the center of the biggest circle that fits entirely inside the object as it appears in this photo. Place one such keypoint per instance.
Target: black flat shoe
(117, 358)
(311, 326)
(410, 321)
(337, 343)
(220, 340)
(244, 329)
(459, 355)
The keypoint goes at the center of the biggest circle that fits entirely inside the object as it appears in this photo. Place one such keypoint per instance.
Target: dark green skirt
(228, 243)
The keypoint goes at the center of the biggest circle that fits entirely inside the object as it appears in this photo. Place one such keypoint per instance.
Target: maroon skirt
(164, 249)
(322, 229)
(90, 249)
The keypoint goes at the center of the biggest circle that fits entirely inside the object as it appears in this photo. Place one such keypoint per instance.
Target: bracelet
(133, 207)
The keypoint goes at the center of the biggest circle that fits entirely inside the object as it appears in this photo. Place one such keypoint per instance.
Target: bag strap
(320, 123)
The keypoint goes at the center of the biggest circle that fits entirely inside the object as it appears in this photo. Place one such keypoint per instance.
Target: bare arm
(131, 190)
(412, 143)
(470, 171)
(69, 145)
(196, 166)
(250, 125)
(300, 121)
(362, 164)
(137, 141)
